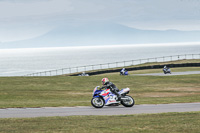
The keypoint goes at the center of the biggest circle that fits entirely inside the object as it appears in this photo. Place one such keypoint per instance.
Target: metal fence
(79, 69)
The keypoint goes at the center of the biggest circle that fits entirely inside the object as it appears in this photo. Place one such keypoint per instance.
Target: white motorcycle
(166, 70)
(107, 98)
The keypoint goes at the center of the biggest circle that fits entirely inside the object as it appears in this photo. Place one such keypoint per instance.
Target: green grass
(77, 90)
(145, 123)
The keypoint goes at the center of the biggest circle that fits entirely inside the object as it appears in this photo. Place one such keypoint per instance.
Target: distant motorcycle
(166, 70)
(83, 74)
(124, 73)
(107, 98)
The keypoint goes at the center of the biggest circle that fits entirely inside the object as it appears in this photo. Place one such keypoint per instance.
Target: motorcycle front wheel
(128, 102)
(97, 102)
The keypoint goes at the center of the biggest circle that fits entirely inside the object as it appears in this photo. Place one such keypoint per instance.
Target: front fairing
(105, 92)
(108, 97)
(96, 92)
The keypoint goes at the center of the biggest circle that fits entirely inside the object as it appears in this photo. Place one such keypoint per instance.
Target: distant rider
(122, 71)
(111, 86)
(166, 68)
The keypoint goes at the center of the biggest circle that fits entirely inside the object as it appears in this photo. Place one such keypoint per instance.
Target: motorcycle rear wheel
(129, 102)
(97, 102)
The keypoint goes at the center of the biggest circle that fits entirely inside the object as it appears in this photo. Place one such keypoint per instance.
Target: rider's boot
(119, 97)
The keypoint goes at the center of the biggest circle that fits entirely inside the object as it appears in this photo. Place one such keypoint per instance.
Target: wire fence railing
(80, 69)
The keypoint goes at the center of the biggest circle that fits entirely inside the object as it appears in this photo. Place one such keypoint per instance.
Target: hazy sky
(23, 19)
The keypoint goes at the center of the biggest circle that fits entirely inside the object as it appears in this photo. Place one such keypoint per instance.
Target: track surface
(111, 110)
(173, 73)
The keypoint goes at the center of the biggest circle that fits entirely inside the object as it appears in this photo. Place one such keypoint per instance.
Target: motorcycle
(107, 98)
(166, 70)
(124, 73)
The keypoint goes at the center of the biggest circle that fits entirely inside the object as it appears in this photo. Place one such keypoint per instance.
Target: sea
(24, 61)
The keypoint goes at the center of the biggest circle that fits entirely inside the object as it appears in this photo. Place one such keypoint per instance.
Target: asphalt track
(173, 73)
(110, 110)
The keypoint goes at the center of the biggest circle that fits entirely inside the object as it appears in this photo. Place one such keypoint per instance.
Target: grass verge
(146, 123)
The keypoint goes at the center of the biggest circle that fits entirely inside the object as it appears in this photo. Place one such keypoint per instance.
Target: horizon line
(113, 45)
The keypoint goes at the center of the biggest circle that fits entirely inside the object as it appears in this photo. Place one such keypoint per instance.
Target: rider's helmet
(104, 81)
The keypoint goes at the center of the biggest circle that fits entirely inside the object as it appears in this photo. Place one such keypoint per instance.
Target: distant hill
(103, 34)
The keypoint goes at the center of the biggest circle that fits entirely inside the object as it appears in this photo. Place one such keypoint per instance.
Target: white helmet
(104, 81)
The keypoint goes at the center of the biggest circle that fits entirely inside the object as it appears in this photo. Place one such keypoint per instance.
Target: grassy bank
(144, 64)
(77, 91)
(149, 123)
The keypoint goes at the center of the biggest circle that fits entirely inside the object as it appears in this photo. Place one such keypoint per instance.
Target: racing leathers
(113, 89)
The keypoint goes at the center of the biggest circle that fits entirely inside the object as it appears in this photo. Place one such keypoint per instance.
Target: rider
(111, 86)
(122, 71)
(166, 68)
